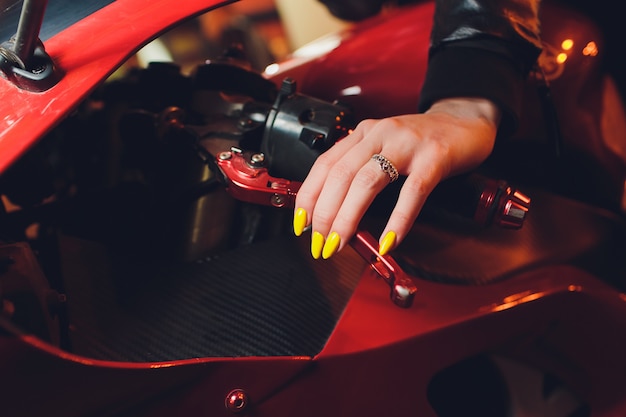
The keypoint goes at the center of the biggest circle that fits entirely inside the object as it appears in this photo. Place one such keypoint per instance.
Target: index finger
(313, 185)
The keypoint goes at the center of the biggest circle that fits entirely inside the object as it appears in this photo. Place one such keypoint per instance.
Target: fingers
(342, 186)
(340, 219)
(345, 179)
(310, 190)
(413, 194)
(344, 182)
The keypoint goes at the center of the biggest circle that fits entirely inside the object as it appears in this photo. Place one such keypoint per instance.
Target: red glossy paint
(393, 353)
(382, 83)
(380, 358)
(588, 107)
(87, 53)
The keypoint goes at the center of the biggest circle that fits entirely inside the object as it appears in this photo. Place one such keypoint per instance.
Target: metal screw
(277, 200)
(258, 158)
(236, 400)
(225, 156)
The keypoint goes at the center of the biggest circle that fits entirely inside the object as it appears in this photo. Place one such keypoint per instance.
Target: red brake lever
(247, 180)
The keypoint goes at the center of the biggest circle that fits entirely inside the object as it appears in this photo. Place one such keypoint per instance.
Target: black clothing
(483, 48)
(479, 48)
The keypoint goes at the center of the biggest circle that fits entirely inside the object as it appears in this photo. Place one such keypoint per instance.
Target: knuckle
(368, 178)
(324, 162)
(322, 220)
(402, 217)
(340, 172)
(442, 150)
(441, 154)
(366, 124)
(305, 196)
(344, 227)
(390, 123)
(418, 187)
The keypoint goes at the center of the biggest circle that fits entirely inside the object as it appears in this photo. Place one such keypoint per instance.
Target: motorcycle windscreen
(60, 14)
(86, 42)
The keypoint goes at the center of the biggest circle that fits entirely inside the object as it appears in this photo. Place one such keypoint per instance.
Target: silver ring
(386, 166)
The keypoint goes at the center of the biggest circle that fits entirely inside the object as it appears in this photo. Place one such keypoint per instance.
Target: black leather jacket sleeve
(483, 48)
(479, 48)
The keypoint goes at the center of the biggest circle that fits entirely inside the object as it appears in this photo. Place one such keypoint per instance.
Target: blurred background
(268, 30)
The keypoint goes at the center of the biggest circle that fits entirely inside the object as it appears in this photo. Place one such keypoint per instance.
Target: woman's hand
(453, 136)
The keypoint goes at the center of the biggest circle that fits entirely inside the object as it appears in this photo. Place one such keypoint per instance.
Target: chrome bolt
(277, 200)
(236, 400)
(257, 158)
(225, 156)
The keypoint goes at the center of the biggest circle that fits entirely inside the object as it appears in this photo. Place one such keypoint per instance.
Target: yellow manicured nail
(387, 243)
(317, 243)
(331, 245)
(299, 221)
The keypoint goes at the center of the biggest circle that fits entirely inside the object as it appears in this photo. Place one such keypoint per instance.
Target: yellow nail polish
(331, 245)
(387, 243)
(299, 221)
(317, 243)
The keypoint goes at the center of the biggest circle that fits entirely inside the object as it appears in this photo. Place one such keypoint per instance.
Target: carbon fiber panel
(264, 299)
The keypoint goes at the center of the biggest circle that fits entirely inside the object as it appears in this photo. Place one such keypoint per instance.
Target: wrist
(469, 108)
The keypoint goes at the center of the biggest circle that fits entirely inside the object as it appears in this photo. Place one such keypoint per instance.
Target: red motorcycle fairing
(87, 52)
(379, 359)
(587, 106)
(385, 82)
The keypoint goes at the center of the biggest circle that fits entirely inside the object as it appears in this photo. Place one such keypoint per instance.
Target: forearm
(482, 49)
